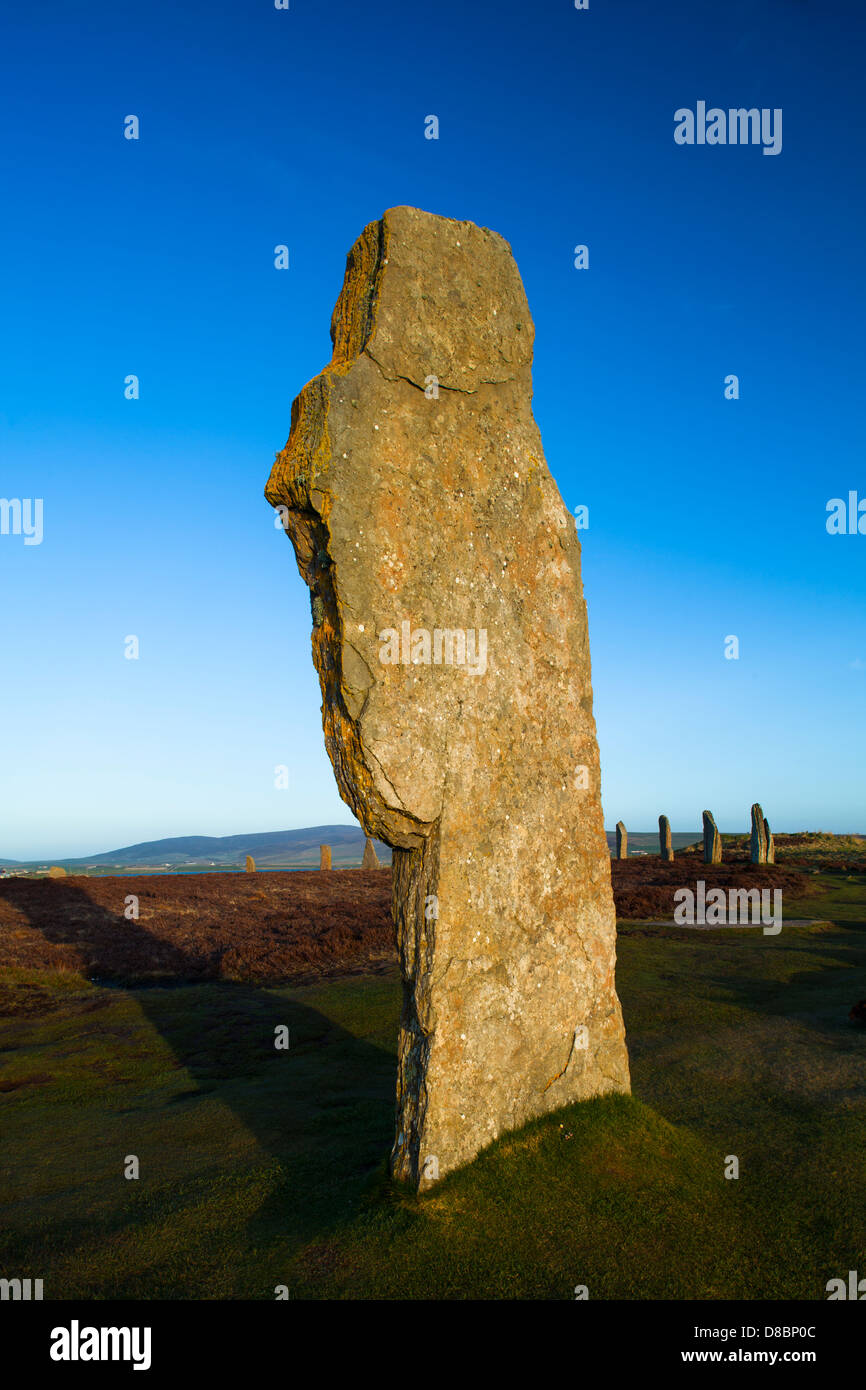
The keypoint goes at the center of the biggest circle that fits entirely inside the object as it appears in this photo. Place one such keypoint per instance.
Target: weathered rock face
(621, 841)
(770, 843)
(450, 637)
(324, 856)
(758, 841)
(712, 841)
(665, 846)
(371, 858)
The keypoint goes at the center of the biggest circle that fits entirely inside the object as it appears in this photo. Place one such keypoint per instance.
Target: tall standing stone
(770, 843)
(450, 638)
(758, 839)
(665, 846)
(621, 841)
(371, 858)
(712, 841)
(324, 856)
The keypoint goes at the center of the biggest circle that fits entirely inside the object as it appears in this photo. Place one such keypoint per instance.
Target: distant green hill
(271, 849)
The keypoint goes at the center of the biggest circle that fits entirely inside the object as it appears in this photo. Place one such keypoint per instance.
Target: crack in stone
(567, 1063)
(372, 756)
(458, 390)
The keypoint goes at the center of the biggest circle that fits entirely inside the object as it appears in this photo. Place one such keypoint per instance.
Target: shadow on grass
(323, 1109)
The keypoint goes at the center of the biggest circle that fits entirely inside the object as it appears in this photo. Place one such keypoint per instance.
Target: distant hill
(299, 849)
(271, 849)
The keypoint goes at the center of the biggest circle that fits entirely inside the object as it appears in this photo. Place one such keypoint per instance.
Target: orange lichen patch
(353, 319)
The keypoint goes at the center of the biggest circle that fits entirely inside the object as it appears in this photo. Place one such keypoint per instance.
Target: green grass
(261, 1168)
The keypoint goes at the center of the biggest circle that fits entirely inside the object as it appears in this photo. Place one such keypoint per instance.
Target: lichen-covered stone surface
(450, 638)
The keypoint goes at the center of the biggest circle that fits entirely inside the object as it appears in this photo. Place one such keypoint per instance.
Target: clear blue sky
(155, 257)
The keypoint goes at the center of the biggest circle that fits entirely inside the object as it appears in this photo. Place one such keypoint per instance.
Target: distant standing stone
(758, 843)
(621, 841)
(665, 847)
(56, 872)
(251, 864)
(371, 858)
(771, 844)
(324, 856)
(712, 841)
